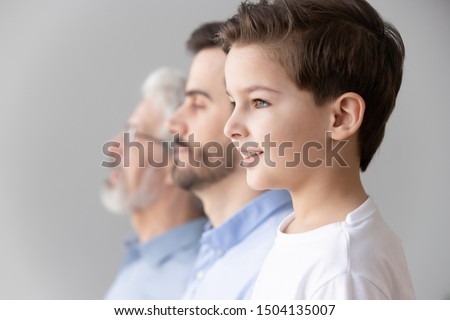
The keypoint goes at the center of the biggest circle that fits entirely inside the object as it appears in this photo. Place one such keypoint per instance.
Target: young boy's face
(279, 128)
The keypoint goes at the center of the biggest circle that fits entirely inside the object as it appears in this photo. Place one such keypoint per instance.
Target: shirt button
(199, 275)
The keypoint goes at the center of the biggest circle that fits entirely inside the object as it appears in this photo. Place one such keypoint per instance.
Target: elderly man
(167, 220)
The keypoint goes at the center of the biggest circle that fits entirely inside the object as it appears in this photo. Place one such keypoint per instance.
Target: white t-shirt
(359, 258)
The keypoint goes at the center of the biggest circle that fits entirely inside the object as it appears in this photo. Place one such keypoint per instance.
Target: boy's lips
(249, 156)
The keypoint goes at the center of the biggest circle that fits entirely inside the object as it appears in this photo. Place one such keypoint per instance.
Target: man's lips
(181, 148)
(182, 152)
(179, 144)
(114, 178)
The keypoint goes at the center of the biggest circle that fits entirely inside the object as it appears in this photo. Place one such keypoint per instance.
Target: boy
(313, 84)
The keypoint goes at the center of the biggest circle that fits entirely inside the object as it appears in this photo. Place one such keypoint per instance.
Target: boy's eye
(233, 104)
(261, 103)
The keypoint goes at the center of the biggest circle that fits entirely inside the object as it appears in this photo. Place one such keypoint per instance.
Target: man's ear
(347, 115)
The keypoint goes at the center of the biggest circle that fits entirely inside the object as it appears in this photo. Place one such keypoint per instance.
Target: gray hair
(166, 86)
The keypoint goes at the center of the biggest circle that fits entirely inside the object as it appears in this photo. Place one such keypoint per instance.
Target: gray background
(69, 76)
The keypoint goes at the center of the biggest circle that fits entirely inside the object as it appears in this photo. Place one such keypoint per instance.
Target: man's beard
(117, 200)
(203, 176)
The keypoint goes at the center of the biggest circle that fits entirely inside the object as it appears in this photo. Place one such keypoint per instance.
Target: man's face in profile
(132, 186)
(201, 118)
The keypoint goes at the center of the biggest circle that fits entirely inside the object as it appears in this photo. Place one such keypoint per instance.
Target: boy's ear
(347, 115)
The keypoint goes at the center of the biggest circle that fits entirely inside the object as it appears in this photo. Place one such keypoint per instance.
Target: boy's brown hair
(329, 47)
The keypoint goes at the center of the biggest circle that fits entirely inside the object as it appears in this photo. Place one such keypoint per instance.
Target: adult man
(243, 221)
(167, 220)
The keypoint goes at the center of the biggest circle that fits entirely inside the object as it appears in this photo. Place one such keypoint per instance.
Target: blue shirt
(232, 254)
(159, 268)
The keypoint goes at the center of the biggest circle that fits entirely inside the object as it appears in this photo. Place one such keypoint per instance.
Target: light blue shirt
(159, 268)
(232, 254)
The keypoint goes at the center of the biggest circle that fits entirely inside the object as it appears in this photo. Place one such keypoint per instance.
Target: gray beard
(117, 201)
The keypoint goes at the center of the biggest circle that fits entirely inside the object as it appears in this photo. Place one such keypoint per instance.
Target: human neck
(170, 209)
(328, 200)
(223, 199)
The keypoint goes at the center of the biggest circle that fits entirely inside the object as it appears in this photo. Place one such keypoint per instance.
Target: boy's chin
(258, 181)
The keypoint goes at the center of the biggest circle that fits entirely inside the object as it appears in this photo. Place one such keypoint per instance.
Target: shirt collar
(157, 250)
(245, 220)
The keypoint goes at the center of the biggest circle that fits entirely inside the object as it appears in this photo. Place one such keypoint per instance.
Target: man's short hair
(204, 37)
(329, 47)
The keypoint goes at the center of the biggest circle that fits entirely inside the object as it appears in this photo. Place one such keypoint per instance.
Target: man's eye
(198, 106)
(261, 103)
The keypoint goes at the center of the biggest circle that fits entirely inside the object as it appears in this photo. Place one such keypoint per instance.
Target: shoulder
(349, 286)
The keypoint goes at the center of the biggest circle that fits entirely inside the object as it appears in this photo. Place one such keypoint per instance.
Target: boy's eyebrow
(256, 88)
(195, 92)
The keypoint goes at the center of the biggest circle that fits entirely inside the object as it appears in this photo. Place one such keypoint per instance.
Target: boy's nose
(235, 127)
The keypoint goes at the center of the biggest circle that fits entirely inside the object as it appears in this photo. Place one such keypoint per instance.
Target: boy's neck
(329, 199)
(224, 198)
